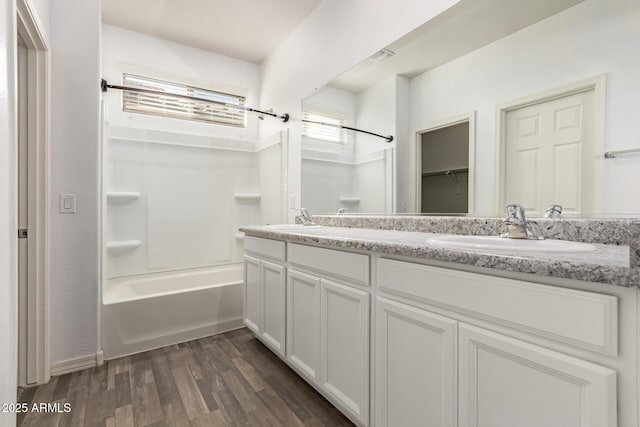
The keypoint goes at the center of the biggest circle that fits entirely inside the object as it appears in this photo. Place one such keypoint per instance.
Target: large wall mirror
(493, 101)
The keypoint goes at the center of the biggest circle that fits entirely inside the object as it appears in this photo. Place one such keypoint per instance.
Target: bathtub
(145, 312)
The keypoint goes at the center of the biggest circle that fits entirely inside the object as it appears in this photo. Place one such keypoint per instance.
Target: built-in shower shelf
(122, 196)
(350, 200)
(123, 244)
(248, 197)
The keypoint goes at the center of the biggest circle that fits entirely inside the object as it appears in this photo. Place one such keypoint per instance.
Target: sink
(495, 243)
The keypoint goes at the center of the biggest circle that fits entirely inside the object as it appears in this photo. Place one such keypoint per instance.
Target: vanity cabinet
(328, 324)
(448, 348)
(265, 291)
(443, 367)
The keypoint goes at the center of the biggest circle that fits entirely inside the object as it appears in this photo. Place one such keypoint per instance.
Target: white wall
(334, 38)
(592, 38)
(128, 51)
(75, 166)
(376, 107)
(376, 112)
(8, 203)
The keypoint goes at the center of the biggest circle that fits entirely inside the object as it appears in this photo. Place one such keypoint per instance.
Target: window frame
(174, 107)
(328, 117)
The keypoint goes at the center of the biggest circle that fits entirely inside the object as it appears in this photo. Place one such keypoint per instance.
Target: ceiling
(243, 29)
(465, 27)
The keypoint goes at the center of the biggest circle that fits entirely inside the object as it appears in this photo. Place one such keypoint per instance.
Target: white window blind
(323, 132)
(180, 108)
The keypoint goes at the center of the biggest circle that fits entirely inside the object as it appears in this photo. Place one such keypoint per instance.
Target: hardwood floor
(229, 379)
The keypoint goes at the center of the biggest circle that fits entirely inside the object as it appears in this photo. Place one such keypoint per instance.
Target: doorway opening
(32, 233)
(444, 167)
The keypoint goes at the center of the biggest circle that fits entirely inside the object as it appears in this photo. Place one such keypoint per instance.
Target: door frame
(415, 152)
(38, 158)
(596, 84)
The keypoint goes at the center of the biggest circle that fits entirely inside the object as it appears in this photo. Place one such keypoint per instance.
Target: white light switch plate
(67, 203)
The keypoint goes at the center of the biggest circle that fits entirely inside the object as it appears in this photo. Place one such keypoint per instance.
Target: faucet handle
(305, 217)
(304, 213)
(553, 211)
(515, 214)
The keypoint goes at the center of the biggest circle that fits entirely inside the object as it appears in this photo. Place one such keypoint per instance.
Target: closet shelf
(350, 200)
(122, 196)
(123, 244)
(248, 197)
(445, 172)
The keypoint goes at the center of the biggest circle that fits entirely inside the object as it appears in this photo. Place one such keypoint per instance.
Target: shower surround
(172, 205)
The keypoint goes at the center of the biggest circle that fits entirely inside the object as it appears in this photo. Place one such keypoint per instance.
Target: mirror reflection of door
(444, 180)
(550, 155)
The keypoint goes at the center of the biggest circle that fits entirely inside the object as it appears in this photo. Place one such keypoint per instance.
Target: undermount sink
(495, 243)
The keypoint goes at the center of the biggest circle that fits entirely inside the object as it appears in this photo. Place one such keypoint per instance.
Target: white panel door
(505, 382)
(415, 367)
(344, 319)
(550, 155)
(252, 295)
(303, 323)
(273, 283)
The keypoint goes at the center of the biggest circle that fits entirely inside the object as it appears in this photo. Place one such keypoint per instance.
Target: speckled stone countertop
(609, 264)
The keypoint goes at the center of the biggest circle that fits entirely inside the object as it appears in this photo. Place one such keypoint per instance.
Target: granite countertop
(609, 264)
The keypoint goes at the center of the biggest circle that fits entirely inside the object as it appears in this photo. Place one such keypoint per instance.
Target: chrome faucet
(341, 211)
(305, 217)
(516, 220)
(554, 211)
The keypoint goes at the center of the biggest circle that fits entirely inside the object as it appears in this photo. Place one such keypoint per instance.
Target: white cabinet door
(344, 319)
(303, 323)
(505, 382)
(415, 360)
(273, 283)
(252, 294)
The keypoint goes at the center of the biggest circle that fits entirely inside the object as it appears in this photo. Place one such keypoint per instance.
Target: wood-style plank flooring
(229, 379)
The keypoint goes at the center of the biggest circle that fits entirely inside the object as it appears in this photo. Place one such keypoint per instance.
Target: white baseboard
(73, 365)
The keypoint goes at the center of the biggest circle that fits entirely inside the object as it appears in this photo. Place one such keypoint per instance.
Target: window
(220, 111)
(332, 133)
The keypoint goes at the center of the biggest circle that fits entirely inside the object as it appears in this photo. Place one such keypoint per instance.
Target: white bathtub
(145, 312)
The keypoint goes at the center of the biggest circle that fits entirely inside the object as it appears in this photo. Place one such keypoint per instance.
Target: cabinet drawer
(338, 264)
(583, 319)
(266, 248)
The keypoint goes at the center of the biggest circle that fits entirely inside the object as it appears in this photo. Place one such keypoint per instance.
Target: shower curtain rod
(386, 138)
(104, 85)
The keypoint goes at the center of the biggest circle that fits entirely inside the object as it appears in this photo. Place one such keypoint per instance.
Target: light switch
(67, 203)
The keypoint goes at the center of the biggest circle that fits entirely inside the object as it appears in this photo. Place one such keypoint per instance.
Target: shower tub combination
(144, 312)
